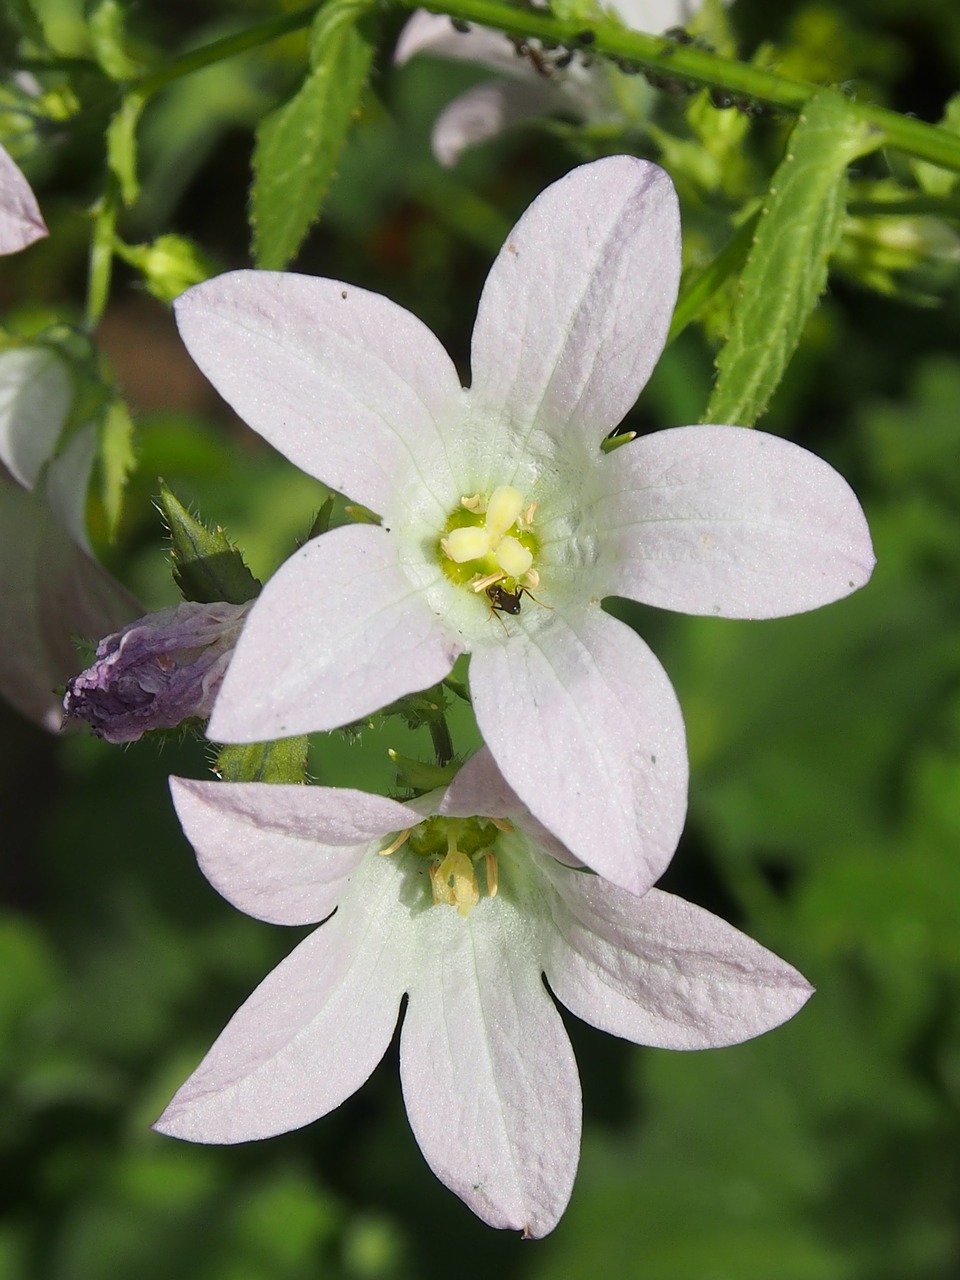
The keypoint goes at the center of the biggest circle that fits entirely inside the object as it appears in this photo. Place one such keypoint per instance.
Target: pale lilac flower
(156, 672)
(20, 220)
(543, 83)
(579, 714)
(488, 1074)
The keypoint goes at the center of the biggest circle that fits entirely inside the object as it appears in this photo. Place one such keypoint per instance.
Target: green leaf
(298, 145)
(284, 761)
(122, 146)
(107, 37)
(786, 271)
(117, 460)
(207, 567)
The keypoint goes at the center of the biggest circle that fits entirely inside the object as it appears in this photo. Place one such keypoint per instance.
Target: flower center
(455, 846)
(489, 542)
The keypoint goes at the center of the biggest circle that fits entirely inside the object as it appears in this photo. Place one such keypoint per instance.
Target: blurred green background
(825, 750)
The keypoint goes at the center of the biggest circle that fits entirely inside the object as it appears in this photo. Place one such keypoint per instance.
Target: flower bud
(157, 672)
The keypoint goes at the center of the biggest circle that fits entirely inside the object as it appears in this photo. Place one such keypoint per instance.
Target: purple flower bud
(157, 672)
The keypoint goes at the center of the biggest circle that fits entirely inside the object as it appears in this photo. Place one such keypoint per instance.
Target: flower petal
(485, 112)
(435, 34)
(577, 306)
(489, 1078)
(659, 971)
(585, 727)
(20, 220)
(338, 632)
(52, 592)
(36, 392)
(731, 522)
(309, 1036)
(346, 384)
(281, 853)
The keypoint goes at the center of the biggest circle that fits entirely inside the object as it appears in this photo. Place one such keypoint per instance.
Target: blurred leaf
(283, 761)
(122, 146)
(107, 35)
(934, 180)
(117, 460)
(206, 566)
(299, 144)
(786, 271)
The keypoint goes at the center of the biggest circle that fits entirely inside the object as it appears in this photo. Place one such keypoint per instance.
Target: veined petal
(338, 632)
(20, 220)
(576, 307)
(659, 971)
(489, 1078)
(281, 853)
(52, 592)
(310, 1034)
(345, 383)
(586, 729)
(488, 110)
(730, 522)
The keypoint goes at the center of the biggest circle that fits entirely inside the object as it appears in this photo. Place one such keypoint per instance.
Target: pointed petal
(349, 386)
(281, 853)
(489, 1078)
(730, 522)
(585, 727)
(576, 308)
(52, 592)
(487, 111)
(36, 392)
(659, 971)
(435, 34)
(480, 790)
(310, 1034)
(338, 632)
(20, 220)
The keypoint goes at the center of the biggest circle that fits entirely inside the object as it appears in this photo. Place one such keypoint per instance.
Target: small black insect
(504, 601)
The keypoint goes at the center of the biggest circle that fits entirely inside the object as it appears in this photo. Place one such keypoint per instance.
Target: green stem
(101, 254)
(699, 68)
(228, 47)
(916, 207)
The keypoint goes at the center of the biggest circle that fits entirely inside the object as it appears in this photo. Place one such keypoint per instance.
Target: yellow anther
(527, 517)
(473, 503)
(481, 583)
(504, 507)
(395, 844)
(466, 543)
(493, 873)
(455, 883)
(513, 557)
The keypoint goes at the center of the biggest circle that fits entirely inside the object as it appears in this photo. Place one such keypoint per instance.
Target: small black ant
(504, 601)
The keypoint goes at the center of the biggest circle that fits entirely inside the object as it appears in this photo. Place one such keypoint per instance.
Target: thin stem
(699, 68)
(442, 742)
(228, 47)
(101, 254)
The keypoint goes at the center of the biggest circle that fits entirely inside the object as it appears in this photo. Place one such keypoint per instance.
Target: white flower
(579, 714)
(537, 84)
(488, 1074)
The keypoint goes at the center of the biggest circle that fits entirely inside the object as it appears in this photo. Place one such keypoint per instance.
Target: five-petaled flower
(488, 1074)
(504, 488)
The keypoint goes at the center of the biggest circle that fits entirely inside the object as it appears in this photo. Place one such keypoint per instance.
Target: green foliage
(786, 270)
(299, 144)
(206, 566)
(108, 37)
(122, 146)
(117, 459)
(284, 761)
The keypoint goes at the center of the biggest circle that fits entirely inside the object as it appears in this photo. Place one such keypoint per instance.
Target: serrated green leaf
(298, 145)
(122, 147)
(117, 460)
(284, 761)
(107, 36)
(786, 271)
(206, 566)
